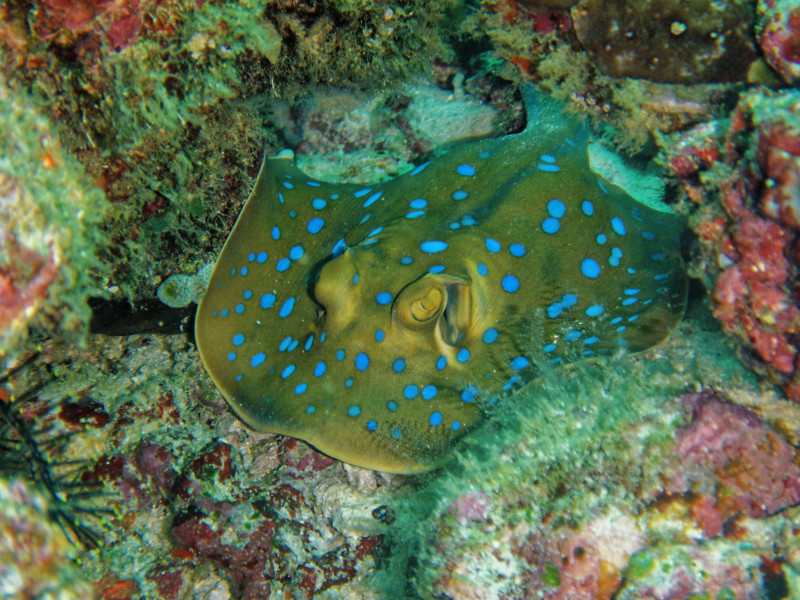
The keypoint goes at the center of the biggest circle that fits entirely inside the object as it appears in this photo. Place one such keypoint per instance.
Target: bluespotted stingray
(379, 322)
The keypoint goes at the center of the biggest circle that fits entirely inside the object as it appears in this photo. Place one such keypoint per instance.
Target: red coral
(116, 21)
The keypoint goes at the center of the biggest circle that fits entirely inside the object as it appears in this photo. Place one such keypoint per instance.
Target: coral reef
(133, 130)
(742, 175)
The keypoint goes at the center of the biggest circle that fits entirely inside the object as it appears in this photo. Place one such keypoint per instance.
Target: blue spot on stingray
(247, 294)
(520, 362)
(469, 393)
(261, 257)
(354, 411)
(571, 336)
(224, 312)
(410, 391)
(355, 278)
(601, 238)
(287, 307)
(441, 363)
(301, 387)
(631, 291)
(243, 271)
(315, 225)
(418, 203)
(379, 335)
(383, 298)
(429, 392)
(287, 185)
(549, 348)
(648, 235)
(293, 345)
(587, 208)
(517, 249)
(311, 410)
(490, 335)
(296, 252)
(551, 225)
(399, 365)
(629, 301)
(468, 220)
(231, 355)
(309, 343)
(459, 195)
(371, 425)
(371, 200)
(590, 268)
(595, 310)
(510, 283)
(436, 419)
(340, 354)
(318, 203)
(251, 257)
(556, 208)
(280, 197)
(406, 260)
(267, 300)
(293, 213)
(419, 168)
(348, 383)
(362, 192)
(548, 168)
(433, 246)
(554, 310)
(631, 270)
(239, 309)
(283, 264)
(320, 369)
(257, 359)
(233, 272)
(463, 355)
(238, 339)
(618, 226)
(465, 170)
(287, 371)
(414, 214)
(661, 276)
(616, 320)
(285, 343)
(456, 425)
(362, 361)
(621, 328)
(436, 269)
(392, 405)
(482, 270)
(338, 247)
(396, 433)
(569, 300)
(375, 231)
(276, 233)
(492, 245)
(658, 256)
(633, 318)
(591, 340)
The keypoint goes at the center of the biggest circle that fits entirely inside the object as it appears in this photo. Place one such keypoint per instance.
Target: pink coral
(729, 454)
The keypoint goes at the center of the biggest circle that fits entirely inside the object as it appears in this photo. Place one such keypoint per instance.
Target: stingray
(380, 322)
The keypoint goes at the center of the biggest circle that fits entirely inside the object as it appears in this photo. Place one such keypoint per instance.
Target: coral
(686, 42)
(778, 35)
(741, 178)
(36, 559)
(49, 214)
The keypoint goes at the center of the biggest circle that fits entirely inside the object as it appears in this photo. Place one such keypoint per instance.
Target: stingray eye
(427, 307)
(420, 304)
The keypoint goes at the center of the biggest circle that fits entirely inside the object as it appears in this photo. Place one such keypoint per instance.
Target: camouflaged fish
(378, 322)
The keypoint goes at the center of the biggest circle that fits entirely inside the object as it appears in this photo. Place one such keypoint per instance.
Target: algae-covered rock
(672, 42)
(48, 215)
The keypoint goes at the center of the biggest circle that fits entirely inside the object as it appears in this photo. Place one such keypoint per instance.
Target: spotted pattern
(384, 319)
